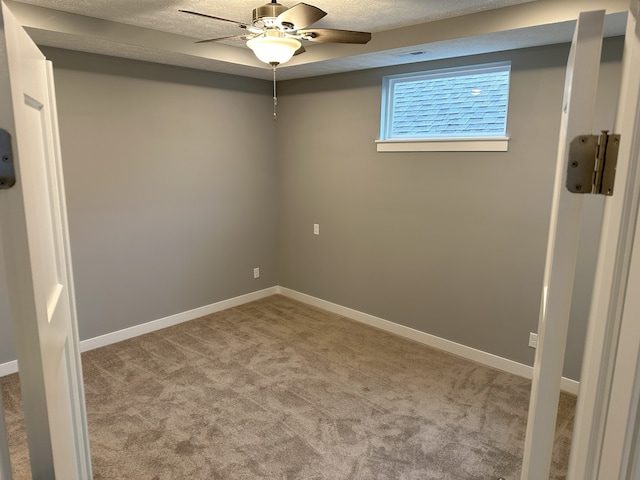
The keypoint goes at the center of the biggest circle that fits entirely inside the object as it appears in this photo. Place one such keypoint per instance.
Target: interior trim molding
(567, 385)
(8, 368)
(127, 333)
(131, 332)
(444, 145)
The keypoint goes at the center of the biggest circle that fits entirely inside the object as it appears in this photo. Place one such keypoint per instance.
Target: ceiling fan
(275, 32)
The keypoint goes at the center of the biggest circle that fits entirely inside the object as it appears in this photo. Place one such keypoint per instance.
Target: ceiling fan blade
(222, 38)
(327, 35)
(299, 51)
(240, 24)
(300, 16)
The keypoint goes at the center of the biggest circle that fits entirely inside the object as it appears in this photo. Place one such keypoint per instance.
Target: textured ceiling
(154, 30)
(372, 16)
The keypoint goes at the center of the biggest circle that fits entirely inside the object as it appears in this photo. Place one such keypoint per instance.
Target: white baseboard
(494, 361)
(127, 333)
(8, 368)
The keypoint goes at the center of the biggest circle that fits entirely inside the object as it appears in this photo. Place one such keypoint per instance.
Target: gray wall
(171, 187)
(452, 244)
(177, 188)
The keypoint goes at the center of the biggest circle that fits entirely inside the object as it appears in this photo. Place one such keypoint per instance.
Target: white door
(577, 116)
(606, 438)
(36, 246)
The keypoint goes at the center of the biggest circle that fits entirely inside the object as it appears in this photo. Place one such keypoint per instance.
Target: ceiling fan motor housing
(266, 14)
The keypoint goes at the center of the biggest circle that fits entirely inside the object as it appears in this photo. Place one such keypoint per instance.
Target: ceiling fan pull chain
(275, 96)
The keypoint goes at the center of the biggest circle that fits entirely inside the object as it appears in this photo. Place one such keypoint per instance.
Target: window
(450, 109)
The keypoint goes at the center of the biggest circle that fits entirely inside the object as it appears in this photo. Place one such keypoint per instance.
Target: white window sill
(445, 145)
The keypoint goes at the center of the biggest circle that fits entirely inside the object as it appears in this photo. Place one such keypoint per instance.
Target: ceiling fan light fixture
(273, 47)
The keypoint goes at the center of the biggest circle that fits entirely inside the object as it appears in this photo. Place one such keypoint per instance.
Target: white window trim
(440, 144)
(493, 144)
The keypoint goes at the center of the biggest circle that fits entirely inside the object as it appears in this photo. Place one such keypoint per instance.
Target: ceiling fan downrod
(267, 13)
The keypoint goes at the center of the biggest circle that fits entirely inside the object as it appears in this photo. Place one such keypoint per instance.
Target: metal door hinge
(7, 173)
(592, 163)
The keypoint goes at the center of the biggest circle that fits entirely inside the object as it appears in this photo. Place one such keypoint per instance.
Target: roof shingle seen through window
(467, 105)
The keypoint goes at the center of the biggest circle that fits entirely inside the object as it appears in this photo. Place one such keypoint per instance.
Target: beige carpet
(276, 389)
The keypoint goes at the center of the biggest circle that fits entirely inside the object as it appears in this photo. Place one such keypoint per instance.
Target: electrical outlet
(256, 272)
(533, 340)
(316, 229)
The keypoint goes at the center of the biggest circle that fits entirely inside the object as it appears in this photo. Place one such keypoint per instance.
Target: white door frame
(577, 114)
(35, 240)
(606, 419)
